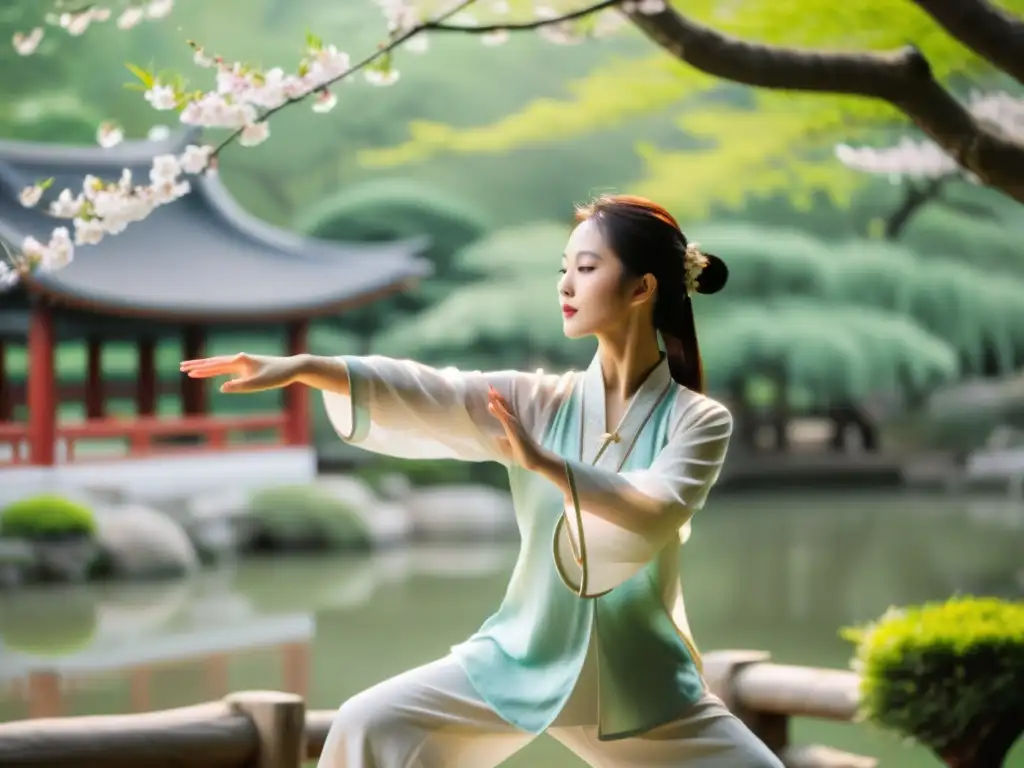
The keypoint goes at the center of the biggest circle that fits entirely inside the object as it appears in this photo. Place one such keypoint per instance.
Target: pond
(780, 573)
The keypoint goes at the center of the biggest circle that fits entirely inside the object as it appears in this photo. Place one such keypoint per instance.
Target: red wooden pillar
(95, 406)
(145, 387)
(296, 396)
(6, 398)
(42, 390)
(193, 394)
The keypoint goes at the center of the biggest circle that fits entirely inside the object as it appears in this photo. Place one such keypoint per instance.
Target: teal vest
(525, 659)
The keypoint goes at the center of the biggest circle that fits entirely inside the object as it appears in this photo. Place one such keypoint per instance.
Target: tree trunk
(916, 198)
(901, 78)
(987, 750)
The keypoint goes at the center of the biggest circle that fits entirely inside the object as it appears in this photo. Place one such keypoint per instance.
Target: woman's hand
(517, 444)
(251, 373)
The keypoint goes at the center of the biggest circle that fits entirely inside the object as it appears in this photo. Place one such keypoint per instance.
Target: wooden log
(318, 723)
(280, 720)
(783, 689)
(817, 756)
(203, 736)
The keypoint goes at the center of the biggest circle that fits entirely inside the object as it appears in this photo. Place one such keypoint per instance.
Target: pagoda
(194, 268)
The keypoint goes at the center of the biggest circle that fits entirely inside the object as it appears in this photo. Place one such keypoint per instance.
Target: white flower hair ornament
(703, 272)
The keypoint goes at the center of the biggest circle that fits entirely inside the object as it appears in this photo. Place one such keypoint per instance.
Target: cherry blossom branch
(902, 78)
(382, 51)
(78, 19)
(520, 26)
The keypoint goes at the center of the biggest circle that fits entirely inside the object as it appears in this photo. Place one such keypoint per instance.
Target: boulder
(388, 522)
(218, 522)
(17, 559)
(461, 512)
(139, 542)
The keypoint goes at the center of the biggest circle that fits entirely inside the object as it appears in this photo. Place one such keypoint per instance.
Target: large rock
(218, 522)
(387, 521)
(139, 542)
(16, 561)
(461, 512)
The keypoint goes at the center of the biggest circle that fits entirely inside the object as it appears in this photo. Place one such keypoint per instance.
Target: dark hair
(648, 240)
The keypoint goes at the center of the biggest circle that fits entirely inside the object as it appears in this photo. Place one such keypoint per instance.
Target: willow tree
(508, 317)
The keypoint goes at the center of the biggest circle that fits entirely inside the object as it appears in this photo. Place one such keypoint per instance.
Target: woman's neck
(627, 358)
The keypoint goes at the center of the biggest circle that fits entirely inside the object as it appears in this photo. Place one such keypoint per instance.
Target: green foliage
(421, 473)
(988, 244)
(46, 516)
(390, 209)
(34, 627)
(511, 312)
(756, 143)
(943, 674)
(307, 518)
(387, 210)
(828, 353)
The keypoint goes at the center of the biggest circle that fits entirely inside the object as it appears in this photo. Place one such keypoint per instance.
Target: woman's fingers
(207, 371)
(187, 365)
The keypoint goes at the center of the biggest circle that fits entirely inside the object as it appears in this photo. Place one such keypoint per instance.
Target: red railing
(144, 434)
(14, 440)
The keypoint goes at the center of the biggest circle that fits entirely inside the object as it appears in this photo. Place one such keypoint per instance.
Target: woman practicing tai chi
(607, 466)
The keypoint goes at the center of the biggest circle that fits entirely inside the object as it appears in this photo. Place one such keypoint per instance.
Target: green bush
(46, 516)
(947, 675)
(303, 517)
(390, 209)
(425, 473)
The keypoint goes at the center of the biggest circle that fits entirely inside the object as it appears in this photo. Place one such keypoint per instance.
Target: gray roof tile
(202, 256)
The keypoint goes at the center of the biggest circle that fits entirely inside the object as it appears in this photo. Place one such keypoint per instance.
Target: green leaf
(143, 75)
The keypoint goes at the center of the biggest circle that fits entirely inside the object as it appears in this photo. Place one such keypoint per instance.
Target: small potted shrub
(949, 676)
(60, 531)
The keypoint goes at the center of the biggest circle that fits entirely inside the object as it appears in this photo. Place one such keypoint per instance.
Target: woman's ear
(645, 289)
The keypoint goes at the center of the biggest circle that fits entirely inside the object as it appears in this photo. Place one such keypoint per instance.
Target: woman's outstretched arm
(400, 407)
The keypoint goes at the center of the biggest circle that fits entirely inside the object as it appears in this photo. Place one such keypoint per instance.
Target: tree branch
(520, 26)
(991, 32)
(902, 78)
(914, 199)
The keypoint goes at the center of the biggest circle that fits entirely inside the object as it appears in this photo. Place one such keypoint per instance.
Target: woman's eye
(585, 269)
(562, 271)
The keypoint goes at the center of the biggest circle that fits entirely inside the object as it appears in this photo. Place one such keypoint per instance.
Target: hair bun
(714, 276)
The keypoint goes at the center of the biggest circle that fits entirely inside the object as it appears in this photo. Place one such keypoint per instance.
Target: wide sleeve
(615, 523)
(410, 410)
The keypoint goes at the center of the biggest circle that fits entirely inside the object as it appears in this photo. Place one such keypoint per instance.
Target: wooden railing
(145, 433)
(270, 729)
(142, 432)
(13, 436)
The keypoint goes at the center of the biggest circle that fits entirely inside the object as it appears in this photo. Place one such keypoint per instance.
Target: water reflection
(780, 574)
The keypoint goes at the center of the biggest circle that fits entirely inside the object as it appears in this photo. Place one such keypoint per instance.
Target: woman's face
(593, 294)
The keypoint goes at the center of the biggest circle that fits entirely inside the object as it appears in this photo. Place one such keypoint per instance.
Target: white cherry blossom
(109, 134)
(195, 159)
(325, 101)
(130, 17)
(923, 158)
(26, 45)
(254, 134)
(30, 196)
(162, 97)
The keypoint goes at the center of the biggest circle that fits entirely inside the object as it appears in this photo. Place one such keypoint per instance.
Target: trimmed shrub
(302, 517)
(47, 516)
(949, 676)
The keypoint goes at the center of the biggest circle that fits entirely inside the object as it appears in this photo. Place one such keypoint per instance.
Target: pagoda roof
(201, 258)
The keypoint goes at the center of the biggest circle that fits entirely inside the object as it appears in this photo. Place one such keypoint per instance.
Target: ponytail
(682, 349)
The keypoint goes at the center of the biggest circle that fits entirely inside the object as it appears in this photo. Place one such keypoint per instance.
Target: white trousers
(431, 717)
